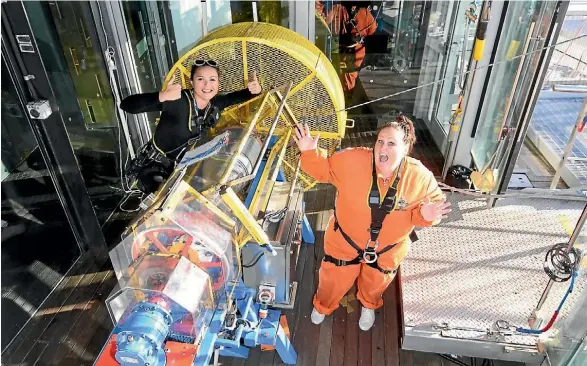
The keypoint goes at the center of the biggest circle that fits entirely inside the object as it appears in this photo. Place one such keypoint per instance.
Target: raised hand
(253, 85)
(303, 139)
(172, 92)
(434, 211)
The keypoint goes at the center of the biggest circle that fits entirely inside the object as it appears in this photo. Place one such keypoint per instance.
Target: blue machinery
(205, 269)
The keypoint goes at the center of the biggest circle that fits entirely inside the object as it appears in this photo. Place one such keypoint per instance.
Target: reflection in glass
(187, 24)
(147, 42)
(509, 81)
(457, 61)
(71, 54)
(38, 246)
(384, 56)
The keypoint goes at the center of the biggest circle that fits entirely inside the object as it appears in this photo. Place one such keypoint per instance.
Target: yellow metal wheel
(278, 56)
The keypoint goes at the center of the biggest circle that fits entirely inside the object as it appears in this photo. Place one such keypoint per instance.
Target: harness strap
(341, 263)
(369, 252)
(381, 208)
(360, 251)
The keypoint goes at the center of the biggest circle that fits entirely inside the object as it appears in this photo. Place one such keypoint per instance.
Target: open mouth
(207, 91)
(383, 158)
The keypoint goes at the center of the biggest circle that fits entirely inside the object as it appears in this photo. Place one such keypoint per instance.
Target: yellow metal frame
(301, 177)
(278, 148)
(286, 41)
(280, 160)
(244, 216)
(232, 44)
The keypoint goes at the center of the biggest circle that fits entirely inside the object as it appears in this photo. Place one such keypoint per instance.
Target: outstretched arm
(320, 167)
(433, 207)
(240, 96)
(150, 102)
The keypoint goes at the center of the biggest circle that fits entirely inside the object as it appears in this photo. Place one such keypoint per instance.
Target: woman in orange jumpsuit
(404, 195)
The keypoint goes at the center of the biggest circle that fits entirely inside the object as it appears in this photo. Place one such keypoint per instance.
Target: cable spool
(559, 264)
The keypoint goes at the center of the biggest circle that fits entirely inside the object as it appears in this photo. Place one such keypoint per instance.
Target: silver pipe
(461, 81)
(271, 130)
(265, 144)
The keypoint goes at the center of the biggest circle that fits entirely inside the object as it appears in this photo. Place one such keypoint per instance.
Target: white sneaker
(317, 318)
(367, 318)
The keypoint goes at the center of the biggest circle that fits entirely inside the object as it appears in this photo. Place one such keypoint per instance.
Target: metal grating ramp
(482, 265)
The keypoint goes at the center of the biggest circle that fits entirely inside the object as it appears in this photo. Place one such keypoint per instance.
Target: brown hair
(402, 122)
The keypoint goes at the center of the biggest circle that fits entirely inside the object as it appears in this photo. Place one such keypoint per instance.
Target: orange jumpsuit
(365, 26)
(350, 171)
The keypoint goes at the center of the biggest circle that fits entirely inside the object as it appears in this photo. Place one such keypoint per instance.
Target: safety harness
(379, 210)
(152, 166)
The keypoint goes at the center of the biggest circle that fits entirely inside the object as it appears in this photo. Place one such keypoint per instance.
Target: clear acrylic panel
(174, 283)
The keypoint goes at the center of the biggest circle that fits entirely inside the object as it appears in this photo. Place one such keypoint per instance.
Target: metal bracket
(40, 109)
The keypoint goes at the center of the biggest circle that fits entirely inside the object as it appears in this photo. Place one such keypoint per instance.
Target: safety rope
(580, 194)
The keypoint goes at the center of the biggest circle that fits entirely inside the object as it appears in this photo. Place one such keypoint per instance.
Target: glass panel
(457, 62)
(322, 29)
(274, 12)
(224, 12)
(188, 17)
(558, 107)
(502, 84)
(69, 48)
(442, 19)
(187, 24)
(32, 216)
(148, 43)
(393, 48)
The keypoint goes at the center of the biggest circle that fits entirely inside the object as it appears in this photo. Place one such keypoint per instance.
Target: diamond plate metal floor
(482, 265)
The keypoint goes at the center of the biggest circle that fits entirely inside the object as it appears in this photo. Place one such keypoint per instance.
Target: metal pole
(572, 240)
(578, 227)
(265, 144)
(293, 183)
(569, 147)
(255, 13)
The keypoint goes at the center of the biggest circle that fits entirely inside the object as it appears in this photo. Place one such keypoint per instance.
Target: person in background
(352, 23)
(382, 194)
(185, 116)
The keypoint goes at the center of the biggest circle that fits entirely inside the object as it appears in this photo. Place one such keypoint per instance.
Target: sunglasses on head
(210, 63)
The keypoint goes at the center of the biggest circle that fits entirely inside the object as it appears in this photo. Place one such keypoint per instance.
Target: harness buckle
(375, 228)
(369, 254)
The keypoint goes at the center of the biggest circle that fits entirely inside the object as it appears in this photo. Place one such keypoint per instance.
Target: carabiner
(369, 254)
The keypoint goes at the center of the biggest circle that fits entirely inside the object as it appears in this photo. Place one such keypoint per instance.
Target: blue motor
(142, 339)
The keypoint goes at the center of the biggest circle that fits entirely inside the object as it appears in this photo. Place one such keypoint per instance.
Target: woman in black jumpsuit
(185, 115)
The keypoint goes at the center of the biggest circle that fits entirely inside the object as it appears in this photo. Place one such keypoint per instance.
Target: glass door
(70, 49)
(38, 244)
